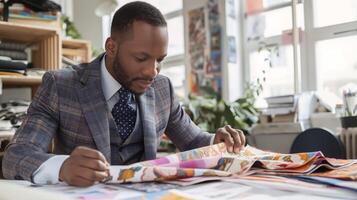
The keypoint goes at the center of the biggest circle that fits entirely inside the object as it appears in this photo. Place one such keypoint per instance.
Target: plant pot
(348, 122)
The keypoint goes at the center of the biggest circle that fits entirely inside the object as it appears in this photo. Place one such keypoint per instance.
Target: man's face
(137, 58)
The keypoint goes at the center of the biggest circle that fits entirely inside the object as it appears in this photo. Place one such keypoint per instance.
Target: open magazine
(216, 161)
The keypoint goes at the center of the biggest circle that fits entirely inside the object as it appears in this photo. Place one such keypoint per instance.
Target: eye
(140, 59)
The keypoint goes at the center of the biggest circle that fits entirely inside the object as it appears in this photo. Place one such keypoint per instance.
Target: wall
(87, 23)
(232, 73)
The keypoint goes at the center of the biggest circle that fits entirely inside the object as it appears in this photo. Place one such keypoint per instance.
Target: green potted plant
(211, 112)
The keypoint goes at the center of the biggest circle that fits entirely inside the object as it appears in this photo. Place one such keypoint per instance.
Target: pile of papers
(215, 161)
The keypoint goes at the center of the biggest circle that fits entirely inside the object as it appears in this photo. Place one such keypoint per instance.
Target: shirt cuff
(212, 139)
(48, 172)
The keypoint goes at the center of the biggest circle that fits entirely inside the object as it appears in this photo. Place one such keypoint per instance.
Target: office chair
(318, 139)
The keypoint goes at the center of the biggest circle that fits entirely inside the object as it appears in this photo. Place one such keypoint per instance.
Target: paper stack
(280, 109)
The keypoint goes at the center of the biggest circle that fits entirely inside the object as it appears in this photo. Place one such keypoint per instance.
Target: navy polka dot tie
(124, 114)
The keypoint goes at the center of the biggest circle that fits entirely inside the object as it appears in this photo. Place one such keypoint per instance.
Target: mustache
(148, 79)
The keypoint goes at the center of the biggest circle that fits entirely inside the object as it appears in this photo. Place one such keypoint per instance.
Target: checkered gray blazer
(70, 108)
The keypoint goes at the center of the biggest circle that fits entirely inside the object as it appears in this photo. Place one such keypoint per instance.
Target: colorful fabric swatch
(216, 161)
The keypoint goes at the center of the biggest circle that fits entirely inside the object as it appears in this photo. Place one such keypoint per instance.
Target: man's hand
(233, 138)
(84, 167)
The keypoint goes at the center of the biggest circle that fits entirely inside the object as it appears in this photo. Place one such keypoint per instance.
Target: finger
(91, 175)
(237, 140)
(90, 153)
(227, 139)
(91, 163)
(242, 138)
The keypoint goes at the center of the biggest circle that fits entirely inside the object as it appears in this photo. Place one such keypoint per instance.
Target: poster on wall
(214, 63)
(216, 83)
(199, 83)
(205, 52)
(214, 66)
(197, 39)
(214, 26)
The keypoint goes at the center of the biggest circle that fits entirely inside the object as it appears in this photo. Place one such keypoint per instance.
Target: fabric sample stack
(13, 58)
(216, 161)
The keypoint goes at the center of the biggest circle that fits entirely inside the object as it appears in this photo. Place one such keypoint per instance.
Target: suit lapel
(147, 112)
(94, 106)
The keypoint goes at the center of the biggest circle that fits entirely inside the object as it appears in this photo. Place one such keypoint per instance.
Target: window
(332, 12)
(333, 44)
(173, 65)
(177, 77)
(279, 77)
(275, 21)
(268, 44)
(176, 36)
(326, 51)
(336, 63)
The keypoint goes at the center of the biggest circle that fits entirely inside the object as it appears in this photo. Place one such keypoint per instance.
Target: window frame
(179, 59)
(310, 37)
(314, 35)
(254, 45)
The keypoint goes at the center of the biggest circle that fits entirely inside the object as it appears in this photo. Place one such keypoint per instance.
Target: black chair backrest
(318, 139)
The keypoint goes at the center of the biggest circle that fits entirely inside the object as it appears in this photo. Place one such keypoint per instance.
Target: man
(112, 110)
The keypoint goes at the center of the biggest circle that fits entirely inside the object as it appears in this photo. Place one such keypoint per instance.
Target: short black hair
(136, 11)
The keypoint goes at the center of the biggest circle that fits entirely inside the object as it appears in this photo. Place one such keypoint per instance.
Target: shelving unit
(77, 50)
(32, 82)
(46, 42)
(46, 53)
(47, 49)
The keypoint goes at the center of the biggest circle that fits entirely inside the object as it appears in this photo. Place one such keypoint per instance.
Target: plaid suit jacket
(70, 108)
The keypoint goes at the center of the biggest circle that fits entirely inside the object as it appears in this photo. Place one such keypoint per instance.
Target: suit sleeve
(29, 147)
(183, 132)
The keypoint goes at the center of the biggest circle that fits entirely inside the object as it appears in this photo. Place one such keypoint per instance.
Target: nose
(152, 70)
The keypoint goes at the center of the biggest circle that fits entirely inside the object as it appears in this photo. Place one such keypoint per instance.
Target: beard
(125, 79)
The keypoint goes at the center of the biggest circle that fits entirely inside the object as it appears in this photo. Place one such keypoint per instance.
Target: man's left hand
(233, 138)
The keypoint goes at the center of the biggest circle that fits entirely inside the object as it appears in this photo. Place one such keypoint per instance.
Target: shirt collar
(109, 85)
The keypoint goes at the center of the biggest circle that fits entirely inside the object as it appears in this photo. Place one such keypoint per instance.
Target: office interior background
(325, 56)
(242, 62)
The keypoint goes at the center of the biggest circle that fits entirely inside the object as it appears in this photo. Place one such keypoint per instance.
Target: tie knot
(124, 94)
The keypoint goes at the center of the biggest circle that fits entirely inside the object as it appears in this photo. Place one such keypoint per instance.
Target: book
(16, 55)
(291, 117)
(279, 110)
(5, 45)
(281, 99)
(281, 105)
(11, 65)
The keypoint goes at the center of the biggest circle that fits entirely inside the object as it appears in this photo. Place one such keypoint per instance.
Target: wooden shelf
(47, 46)
(25, 33)
(32, 82)
(13, 81)
(77, 50)
(46, 41)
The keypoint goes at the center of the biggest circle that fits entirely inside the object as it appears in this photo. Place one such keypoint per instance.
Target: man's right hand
(84, 167)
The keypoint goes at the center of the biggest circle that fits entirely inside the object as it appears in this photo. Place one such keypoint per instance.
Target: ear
(110, 47)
